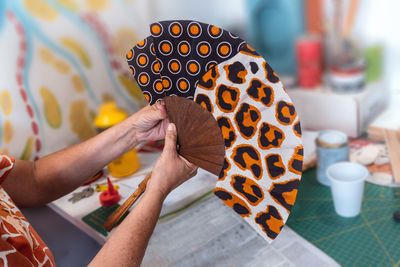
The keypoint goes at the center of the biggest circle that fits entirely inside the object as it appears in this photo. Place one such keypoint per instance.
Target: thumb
(170, 139)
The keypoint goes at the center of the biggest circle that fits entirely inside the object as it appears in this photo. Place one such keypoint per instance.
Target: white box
(321, 109)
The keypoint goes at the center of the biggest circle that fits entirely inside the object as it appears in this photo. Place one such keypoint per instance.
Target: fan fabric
(260, 126)
(176, 55)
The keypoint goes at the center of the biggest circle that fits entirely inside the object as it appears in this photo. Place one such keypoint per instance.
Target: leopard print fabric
(263, 161)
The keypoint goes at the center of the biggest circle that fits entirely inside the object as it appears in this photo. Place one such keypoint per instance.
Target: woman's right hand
(171, 169)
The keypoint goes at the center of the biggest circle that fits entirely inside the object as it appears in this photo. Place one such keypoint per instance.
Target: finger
(157, 111)
(164, 125)
(170, 140)
(160, 105)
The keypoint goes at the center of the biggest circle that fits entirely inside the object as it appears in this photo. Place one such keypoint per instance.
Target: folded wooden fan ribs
(199, 137)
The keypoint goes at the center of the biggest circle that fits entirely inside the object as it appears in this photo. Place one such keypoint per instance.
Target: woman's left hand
(151, 122)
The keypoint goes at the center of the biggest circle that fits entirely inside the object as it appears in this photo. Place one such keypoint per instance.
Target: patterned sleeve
(6, 165)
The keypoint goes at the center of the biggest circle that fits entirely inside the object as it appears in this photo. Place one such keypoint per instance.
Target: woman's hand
(171, 169)
(150, 123)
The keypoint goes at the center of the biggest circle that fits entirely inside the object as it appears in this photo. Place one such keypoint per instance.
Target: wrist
(128, 133)
(157, 188)
(156, 191)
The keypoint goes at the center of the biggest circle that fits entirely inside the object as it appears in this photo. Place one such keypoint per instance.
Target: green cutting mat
(370, 239)
(97, 218)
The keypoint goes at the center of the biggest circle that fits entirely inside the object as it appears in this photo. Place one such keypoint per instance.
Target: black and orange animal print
(258, 121)
(262, 133)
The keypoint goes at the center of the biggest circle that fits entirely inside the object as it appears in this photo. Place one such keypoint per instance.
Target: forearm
(127, 245)
(74, 165)
(81, 161)
(61, 172)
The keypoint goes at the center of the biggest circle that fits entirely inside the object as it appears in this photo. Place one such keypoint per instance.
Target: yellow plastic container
(108, 116)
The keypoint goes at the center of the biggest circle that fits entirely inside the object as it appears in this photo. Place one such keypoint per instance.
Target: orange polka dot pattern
(178, 54)
(259, 124)
(146, 68)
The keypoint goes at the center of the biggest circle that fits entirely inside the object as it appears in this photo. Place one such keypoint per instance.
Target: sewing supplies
(348, 78)
(332, 147)
(96, 218)
(84, 193)
(122, 210)
(104, 187)
(109, 197)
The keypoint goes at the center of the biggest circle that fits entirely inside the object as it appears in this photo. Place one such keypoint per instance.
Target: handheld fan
(261, 131)
(199, 140)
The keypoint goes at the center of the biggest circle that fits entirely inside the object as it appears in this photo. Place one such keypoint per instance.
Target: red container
(309, 61)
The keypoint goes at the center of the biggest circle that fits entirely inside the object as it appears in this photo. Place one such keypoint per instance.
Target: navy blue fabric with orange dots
(179, 53)
(145, 67)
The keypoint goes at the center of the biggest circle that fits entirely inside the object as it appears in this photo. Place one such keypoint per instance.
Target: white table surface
(210, 234)
(206, 234)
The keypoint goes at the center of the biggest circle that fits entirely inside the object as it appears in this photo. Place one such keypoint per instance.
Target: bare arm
(39, 182)
(127, 245)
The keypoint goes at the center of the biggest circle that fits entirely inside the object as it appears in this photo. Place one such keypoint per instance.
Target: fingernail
(171, 127)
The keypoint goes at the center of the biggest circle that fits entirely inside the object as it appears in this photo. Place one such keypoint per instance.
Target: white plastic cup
(347, 186)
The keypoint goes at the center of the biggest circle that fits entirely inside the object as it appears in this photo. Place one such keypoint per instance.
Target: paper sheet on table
(189, 191)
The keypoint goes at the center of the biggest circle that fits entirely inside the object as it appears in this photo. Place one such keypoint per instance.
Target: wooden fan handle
(117, 215)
